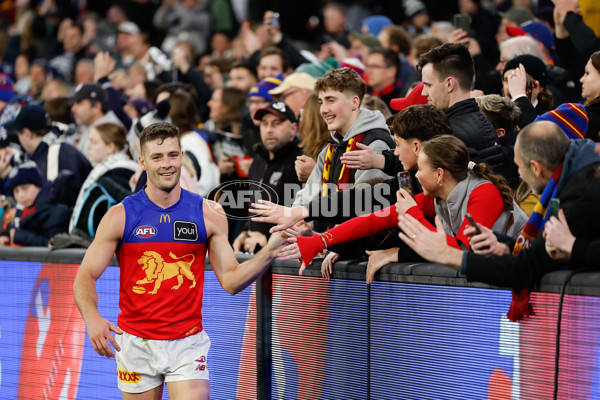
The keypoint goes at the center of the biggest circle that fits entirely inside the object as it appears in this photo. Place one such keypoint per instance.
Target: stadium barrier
(420, 331)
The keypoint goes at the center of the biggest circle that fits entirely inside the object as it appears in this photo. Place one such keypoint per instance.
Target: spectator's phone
(275, 19)
(472, 222)
(404, 182)
(554, 207)
(461, 21)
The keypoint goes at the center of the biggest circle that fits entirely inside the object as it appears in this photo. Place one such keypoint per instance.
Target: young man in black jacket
(448, 75)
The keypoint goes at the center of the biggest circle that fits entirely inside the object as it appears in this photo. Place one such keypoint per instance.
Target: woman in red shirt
(452, 187)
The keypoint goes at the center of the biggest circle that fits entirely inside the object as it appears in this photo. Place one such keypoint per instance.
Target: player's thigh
(152, 394)
(193, 389)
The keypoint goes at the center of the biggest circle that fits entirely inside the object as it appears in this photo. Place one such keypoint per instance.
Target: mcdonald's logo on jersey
(165, 218)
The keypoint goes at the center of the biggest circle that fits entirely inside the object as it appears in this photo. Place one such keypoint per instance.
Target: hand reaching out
(271, 213)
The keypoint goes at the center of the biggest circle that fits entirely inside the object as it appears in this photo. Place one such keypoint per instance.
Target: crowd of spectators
(337, 110)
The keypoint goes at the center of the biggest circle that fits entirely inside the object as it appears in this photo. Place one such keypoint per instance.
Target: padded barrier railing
(419, 332)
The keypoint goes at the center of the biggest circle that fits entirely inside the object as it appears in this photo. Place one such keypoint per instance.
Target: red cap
(413, 98)
(515, 31)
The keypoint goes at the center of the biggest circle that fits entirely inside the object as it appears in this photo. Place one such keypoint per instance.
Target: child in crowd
(41, 216)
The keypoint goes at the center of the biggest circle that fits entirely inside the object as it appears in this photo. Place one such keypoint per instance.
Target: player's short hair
(159, 131)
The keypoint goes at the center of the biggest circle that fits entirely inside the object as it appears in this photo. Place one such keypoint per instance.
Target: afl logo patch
(145, 231)
(185, 230)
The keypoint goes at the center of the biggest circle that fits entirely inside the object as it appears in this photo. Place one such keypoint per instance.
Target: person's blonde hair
(111, 132)
(313, 129)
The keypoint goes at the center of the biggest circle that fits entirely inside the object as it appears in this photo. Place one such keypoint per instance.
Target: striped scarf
(344, 177)
(520, 306)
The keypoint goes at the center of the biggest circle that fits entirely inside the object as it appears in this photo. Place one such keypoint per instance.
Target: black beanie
(23, 174)
(533, 66)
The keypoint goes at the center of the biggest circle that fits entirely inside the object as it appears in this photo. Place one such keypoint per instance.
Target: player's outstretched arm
(94, 263)
(232, 276)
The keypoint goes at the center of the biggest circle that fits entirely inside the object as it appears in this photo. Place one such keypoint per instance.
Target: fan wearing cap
(273, 166)
(524, 81)
(294, 90)
(539, 31)
(258, 97)
(43, 214)
(52, 157)
(515, 16)
(90, 107)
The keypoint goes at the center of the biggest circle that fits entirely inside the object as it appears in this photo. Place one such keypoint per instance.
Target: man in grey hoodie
(340, 93)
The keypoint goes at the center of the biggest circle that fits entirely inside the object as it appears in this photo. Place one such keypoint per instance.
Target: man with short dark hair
(448, 73)
(90, 108)
(382, 68)
(160, 232)
(242, 75)
(273, 166)
(272, 61)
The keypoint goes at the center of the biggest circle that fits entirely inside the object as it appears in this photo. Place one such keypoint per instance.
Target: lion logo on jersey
(157, 270)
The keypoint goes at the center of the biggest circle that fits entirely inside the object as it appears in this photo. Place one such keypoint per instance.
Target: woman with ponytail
(452, 187)
(590, 91)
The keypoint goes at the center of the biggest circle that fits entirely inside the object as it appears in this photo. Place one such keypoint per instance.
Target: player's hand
(327, 264)
(379, 258)
(99, 331)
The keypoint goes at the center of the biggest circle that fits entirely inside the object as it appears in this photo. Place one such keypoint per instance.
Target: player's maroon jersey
(161, 257)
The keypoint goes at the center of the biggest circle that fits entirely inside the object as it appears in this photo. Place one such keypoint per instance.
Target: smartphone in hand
(554, 207)
(461, 21)
(472, 222)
